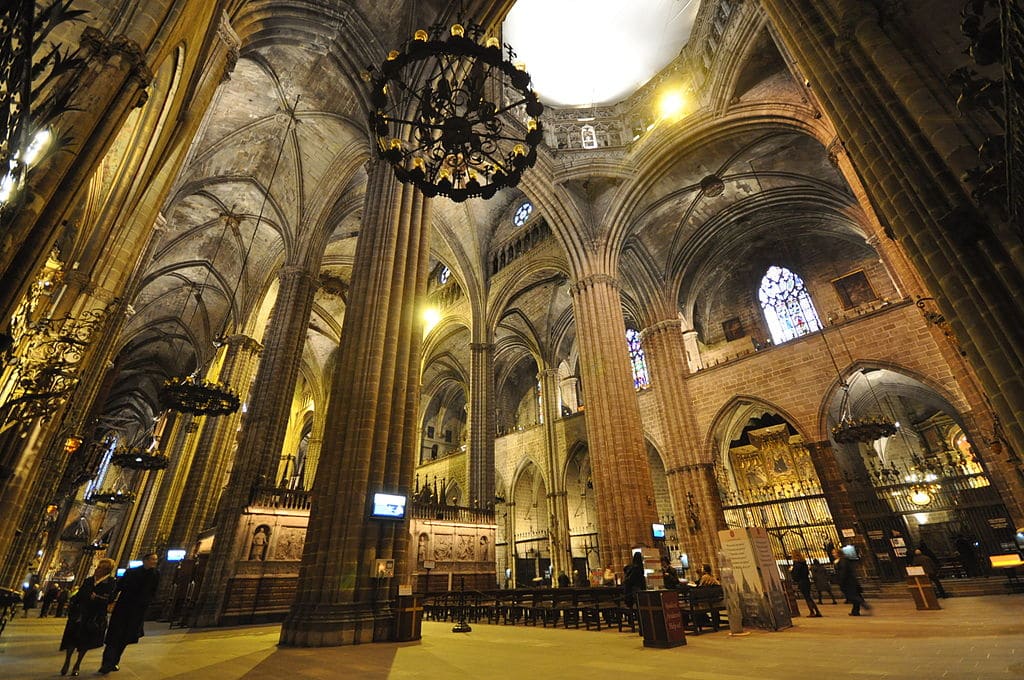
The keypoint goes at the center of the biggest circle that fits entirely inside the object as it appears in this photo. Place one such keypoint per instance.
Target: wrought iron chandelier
(199, 397)
(110, 497)
(439, 118)
(137, 458)
(849, 429)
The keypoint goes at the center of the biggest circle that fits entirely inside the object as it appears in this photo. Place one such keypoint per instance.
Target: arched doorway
(766, 478)
(924, 486)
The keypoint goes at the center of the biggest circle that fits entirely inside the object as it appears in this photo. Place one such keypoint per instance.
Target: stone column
(691, 474)
(907, 143)
(371, 435)
(839, 501)
(265, 426)
(198, 499)
(618, 453)
(481, 425)
(558, 506)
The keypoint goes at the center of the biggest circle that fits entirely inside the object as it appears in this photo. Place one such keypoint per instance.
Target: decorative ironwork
(199, 397)
(45, 363)
(436, 120)
(35, 88)
(137, 458)
(110, 497)
(851, 430)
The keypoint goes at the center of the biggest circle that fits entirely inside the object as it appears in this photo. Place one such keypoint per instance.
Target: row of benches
(594, 608)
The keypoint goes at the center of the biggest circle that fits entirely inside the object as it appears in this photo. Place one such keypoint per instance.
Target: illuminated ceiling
(575, 51)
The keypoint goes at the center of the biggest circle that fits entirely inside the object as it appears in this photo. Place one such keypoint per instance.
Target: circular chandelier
(199, 397)
(866, 430)
(452, 115)
(136, 458)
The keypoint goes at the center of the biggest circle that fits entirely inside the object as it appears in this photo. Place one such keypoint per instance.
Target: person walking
(62, 600)
(87, 615)
(822, 582)
(801, 575)
(49, 596)
(931, 570)
(134, 593)
(31, 596)
(848, 583)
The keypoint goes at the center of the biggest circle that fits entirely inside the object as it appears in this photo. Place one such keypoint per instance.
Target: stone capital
(547, 373)
(481, 346)
(293, 272)
(662, 327)
(244, 342)
(232, 44)
(692, 467)
(593, 281)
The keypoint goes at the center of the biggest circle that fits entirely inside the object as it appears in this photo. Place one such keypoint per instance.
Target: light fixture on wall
(452, 115)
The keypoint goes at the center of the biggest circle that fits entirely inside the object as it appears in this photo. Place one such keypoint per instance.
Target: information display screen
(388, 506)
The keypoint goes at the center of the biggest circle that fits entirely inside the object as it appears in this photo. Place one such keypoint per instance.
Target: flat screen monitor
(134, 563)
(850, 552)
(658, 530)
(388, 506)
(120, 572)
(175, 554)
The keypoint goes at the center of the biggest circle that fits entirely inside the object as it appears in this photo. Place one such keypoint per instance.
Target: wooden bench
(702, 608)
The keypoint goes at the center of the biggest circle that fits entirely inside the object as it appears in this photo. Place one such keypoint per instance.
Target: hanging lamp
(453, 115)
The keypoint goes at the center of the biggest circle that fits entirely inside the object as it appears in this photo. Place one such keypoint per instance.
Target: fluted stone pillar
(910, 147)
(481, 424)
(558, 506)
(691, 473)
(198, 499)
(618, 454)
(837, 496)
(371, 435)
(265, 426)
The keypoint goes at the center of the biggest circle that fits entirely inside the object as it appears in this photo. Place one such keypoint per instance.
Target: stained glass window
(787, 305)
(641, 379)
(97, 482)
(523, 213)
(443, 275)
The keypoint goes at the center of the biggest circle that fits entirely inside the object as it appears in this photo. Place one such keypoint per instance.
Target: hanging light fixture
(452, 115)
(849, 429)
(191, 394)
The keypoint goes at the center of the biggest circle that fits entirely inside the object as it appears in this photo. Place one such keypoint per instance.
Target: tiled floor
(972, 637)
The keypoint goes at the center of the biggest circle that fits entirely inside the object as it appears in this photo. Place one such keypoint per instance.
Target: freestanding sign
(759, 585)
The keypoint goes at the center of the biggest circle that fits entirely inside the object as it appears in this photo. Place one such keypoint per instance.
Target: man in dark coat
(135, 590)
(931, 570)
(848, 583)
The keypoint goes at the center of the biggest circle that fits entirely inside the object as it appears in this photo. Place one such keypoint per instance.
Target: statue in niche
(422, 548)
(258, 545)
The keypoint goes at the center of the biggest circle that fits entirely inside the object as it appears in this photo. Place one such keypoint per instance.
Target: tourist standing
(801, 576)
(635, 580)
(931, 570)
(822, 581)
(87, 616)
(134, 593)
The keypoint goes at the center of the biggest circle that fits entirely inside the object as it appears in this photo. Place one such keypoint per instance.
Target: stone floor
(972, 637)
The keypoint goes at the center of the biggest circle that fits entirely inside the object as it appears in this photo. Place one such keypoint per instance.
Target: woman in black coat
(87, 615)
(801, 576)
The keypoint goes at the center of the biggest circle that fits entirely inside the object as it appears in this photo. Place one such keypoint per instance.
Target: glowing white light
(431, 317)
(6, 187)
(36, 146)
(597, 52)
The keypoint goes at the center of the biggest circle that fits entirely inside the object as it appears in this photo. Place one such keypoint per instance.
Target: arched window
(787, 305)
(443, 275)
(588, 136)
(101, 472)
(522, 213)
(641, 379)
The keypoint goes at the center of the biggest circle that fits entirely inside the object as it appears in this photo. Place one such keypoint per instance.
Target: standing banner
(758, 582)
